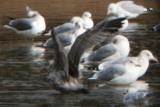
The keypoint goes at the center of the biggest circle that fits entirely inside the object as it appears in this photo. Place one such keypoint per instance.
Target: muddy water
(23, 80)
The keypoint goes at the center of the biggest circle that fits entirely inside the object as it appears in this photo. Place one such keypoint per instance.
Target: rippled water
(23, 80)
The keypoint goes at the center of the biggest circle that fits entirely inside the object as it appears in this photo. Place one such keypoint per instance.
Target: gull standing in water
(87, 18)
(124, 71)
(66, 26)
(63, 72)
(118, 48)
(67, 38)
(28, 27)
(127, 9)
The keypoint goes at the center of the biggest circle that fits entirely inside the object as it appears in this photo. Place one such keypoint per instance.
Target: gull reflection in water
(137, 95)
(37, 53)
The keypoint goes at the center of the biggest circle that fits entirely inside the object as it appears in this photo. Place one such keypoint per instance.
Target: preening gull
(133, 95)
(118, 48)
(63, 72)
(28, 27)
(127, 9)
(124, 71)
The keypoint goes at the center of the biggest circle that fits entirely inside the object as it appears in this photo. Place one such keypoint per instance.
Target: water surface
(23, 66)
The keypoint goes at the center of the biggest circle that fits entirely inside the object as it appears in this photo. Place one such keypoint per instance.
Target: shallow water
(23, 72)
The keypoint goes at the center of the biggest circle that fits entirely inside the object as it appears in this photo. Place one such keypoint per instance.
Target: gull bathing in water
(28, 27)
(118, 48)
(127, 9)
(63, 73)
(124, 71)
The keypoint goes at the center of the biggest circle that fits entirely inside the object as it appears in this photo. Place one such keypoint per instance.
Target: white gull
(66, 26)
(28, 27)
(124, 71)
(127, 9)
(118, 48)
(67, 38)
(87, 18)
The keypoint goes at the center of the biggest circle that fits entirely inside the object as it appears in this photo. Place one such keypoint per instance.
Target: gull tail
(6, 20)
(8, 17)
(152, 10)
(11, 28)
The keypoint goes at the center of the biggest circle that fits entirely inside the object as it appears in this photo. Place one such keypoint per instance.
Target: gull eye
(147, 54)
(115, 41)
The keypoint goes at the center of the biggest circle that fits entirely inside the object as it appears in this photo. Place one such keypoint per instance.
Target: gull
(87, 18)
(133, 95)
(66, 26)
(28, 27)
(127, 9)
(118, 48)
(66, 38)
(125, 71)
(63, 73)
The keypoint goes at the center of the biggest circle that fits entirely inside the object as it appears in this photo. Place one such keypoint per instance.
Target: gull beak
(155, 59)
(28, 9)
(108, 13)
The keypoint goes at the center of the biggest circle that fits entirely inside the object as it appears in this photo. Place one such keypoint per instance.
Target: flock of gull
(73, 43)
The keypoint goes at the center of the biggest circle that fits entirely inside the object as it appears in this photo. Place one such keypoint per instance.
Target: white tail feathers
(11, 28)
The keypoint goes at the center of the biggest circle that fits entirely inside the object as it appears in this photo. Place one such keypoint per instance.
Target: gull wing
(64, 28)
(131, 7)
(101, 53)
(110, 71)
(21, 24)
(88, 40)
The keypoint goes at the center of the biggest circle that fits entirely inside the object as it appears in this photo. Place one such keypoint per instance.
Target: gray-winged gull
(28, 27)
(118, 48)
(67, 38)
(86, 19)
(66, 26)
(124, 71)
(133, 96)
(64, 73)
(126, 9)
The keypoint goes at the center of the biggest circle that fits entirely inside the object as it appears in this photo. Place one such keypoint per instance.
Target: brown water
(23, 80)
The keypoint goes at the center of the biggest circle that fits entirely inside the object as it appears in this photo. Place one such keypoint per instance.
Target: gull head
(76, 19)
(30, 12)
(112, 9)
(119, 39)
(149, 55)
(28, 9)
(86, 15)
(78, 24)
